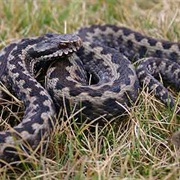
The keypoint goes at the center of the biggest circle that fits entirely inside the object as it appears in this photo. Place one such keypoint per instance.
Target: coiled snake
(105, 57)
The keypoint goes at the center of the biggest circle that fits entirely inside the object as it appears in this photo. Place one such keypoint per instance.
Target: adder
(91, 69)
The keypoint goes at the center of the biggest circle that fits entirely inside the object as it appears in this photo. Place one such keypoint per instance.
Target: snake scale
(91, 68)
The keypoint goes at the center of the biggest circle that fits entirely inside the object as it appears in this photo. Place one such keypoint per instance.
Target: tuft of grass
(136, 148)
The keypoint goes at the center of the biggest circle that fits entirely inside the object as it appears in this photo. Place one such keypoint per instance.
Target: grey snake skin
(91, 68)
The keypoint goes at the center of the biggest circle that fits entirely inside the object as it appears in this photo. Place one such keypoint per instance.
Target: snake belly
(107, 54)
(17, 62)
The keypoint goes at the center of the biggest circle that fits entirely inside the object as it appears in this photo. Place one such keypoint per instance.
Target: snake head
(53, 45)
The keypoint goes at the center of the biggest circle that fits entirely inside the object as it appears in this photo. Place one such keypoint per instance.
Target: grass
(137, 148)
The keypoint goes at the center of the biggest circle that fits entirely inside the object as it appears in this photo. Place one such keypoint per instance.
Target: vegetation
(138, 147)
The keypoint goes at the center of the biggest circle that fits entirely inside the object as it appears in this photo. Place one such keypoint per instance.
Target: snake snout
(70, 45)
(76, 43)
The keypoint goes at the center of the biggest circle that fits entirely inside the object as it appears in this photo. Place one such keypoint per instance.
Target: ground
(137, 148)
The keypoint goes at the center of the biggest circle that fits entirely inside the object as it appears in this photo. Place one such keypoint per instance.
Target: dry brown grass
(138, 148)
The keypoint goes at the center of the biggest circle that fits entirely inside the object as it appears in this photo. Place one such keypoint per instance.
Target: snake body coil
(99, 76)
(17, 64)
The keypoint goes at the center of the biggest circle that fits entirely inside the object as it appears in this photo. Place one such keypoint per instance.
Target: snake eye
(62, 44)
